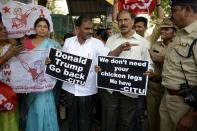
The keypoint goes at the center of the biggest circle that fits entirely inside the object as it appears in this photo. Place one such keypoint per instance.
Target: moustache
(89, 34)
(123, 26)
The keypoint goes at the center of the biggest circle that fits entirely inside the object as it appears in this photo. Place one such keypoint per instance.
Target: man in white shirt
(81, 98)
(119, 108)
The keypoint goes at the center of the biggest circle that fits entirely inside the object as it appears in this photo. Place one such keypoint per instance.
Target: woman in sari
(9, 119)
(41, 106)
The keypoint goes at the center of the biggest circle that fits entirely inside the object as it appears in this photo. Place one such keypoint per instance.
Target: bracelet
(158, 5)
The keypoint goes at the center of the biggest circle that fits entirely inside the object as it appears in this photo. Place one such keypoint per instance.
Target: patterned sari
(42, 114)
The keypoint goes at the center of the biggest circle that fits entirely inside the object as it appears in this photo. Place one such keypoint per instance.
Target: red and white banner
(8, 98)
(137, 6)
(25, 72)
(19, 18)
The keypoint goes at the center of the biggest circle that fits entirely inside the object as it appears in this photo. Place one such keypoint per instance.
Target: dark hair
(32, 36)
(194, 8)
(82, 19)
(126, 11)
(103, 34)
(41, 19)
(141, 19)
(68, 35)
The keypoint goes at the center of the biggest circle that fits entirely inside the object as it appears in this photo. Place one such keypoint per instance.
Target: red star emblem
(6, 9)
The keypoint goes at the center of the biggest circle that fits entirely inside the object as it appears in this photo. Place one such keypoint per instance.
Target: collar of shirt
(163, 45)
(182, 34)
(135, 36)
(77, 40)
(192, 27)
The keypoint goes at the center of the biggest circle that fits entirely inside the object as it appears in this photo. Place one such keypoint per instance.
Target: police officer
(155, 89)
(177, 69)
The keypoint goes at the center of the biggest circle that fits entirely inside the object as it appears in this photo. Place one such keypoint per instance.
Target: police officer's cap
(183, 2)
(167, 23)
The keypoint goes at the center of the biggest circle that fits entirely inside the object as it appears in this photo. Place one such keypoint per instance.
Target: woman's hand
(12, 51)
(15, 49)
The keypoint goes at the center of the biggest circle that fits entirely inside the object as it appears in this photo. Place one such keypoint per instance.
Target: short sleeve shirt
(175, 65)
(91, 49)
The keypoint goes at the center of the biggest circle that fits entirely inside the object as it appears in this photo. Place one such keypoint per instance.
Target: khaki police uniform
(172, 106)
(155, 89)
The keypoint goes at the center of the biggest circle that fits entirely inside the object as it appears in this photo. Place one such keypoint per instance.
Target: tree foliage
(166, 7)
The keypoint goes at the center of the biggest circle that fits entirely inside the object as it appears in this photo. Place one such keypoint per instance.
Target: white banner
(19, 18)
(25, 72)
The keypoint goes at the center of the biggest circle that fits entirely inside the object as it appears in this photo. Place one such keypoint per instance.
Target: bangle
(158, 5)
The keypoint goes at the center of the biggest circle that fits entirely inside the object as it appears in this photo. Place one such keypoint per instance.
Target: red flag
(137, 6)
(8, 98)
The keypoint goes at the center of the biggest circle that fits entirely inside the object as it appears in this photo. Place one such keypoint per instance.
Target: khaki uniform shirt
(157, 51)
(159, 48)
(172, 74)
